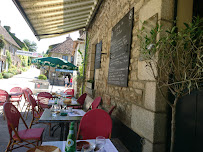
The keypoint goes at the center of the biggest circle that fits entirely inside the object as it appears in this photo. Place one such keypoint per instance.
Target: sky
(10, 16)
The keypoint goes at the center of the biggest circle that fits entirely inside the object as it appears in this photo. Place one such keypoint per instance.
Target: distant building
(12, 47)
(63, 50)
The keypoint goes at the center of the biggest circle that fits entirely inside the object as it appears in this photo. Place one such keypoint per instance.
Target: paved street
(23, 80)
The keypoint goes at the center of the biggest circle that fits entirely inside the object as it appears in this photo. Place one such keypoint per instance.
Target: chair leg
(49, 129)
(8, 146)
(28, 112)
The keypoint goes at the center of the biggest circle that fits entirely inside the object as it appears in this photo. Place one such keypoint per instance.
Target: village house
(11, 46)
(64, 51)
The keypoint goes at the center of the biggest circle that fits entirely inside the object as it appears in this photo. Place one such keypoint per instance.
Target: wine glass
(100, 142)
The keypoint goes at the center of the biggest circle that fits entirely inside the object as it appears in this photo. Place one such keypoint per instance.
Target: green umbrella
(54, 62)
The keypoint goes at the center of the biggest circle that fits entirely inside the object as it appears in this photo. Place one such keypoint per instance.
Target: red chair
(4, 97)
(81, 101)
(95, 123)
(16, 98)
(111, 110)
(69, 92)
(27, 109)
(29, 136)
(96, 103)
(35, 113)
(43, 99)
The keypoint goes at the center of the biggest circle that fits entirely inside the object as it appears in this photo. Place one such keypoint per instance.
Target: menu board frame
(98, 51)
(121, 39)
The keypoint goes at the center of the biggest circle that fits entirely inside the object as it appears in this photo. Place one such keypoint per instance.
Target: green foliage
(8, 58)
(2, 42)
(175, 60)
(32, 46)
(7, 75)
(178, 54)
(42, 77)
(1, 76)
(90, 81)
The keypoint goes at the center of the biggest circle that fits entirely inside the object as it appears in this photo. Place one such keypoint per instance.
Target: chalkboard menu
(98, 55)
(120, 51)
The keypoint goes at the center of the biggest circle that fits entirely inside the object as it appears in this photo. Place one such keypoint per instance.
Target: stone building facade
(139, 106)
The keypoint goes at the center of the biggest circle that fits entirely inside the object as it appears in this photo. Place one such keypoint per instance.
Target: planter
(41, 84)
(90, 85)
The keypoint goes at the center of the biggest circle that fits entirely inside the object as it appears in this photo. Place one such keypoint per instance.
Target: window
(72, 59)
(65, 58)
(4, 50)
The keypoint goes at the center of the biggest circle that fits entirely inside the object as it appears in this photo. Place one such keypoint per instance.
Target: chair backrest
(69, 92)
(81, 99)
(111, 110)
(3, 96)
(12, 116)
(28, 90)
(17, 90)
(32, 102)
(96, 102)
(44, 97)
(95, 123)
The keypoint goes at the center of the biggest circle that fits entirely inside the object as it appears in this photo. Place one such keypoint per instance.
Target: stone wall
(139, 106)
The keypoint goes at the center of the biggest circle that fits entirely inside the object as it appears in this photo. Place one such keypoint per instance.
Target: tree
(175, 61)
(32, 46)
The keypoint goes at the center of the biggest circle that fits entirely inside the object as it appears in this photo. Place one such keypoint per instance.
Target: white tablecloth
(108, 147)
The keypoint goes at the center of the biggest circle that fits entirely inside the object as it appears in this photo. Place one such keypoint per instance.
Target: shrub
(1, 76)
(7, 75)
(42, 77)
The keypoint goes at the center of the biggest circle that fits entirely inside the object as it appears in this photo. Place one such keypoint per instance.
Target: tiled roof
(64, 48)
(7, 37)
(17, 40)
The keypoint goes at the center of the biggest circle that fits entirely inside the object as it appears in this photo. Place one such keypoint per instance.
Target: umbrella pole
(53, 80)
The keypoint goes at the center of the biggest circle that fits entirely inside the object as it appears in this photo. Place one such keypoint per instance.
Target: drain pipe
(86, 34)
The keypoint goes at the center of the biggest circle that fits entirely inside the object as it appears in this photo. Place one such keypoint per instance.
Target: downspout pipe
(86, 33)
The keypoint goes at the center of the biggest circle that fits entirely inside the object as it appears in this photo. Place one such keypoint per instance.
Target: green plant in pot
(175, 61)
(42, 77)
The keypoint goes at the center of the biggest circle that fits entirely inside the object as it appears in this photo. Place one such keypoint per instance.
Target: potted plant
(175, 61)
(90, 84)
(41, 82)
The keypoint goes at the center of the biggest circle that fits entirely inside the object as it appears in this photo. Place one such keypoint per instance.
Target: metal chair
(69, 92)
(4, 97)
(96, 103)
(81, 101)
(27, 109)
(43, 100)
(18, 97)
(13, 116)
(111, 110)
(95, 123)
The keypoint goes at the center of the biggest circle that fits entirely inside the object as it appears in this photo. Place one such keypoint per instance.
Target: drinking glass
(100, 142)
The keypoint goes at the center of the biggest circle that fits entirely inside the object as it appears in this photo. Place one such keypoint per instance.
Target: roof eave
(17, 3)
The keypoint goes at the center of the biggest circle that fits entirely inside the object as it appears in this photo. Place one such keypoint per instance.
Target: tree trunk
(173, 125)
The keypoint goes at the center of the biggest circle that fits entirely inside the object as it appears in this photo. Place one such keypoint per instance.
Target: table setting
(100, 144)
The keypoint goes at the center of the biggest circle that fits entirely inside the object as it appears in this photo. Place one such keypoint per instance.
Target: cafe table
(76, 115)
(72, 104)
(108, 147)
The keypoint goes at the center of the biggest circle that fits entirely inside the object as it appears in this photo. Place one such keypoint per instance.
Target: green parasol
(54, 62)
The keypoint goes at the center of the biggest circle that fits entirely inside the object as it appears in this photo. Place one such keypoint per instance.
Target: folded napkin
(56, 150)
(38, 150)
